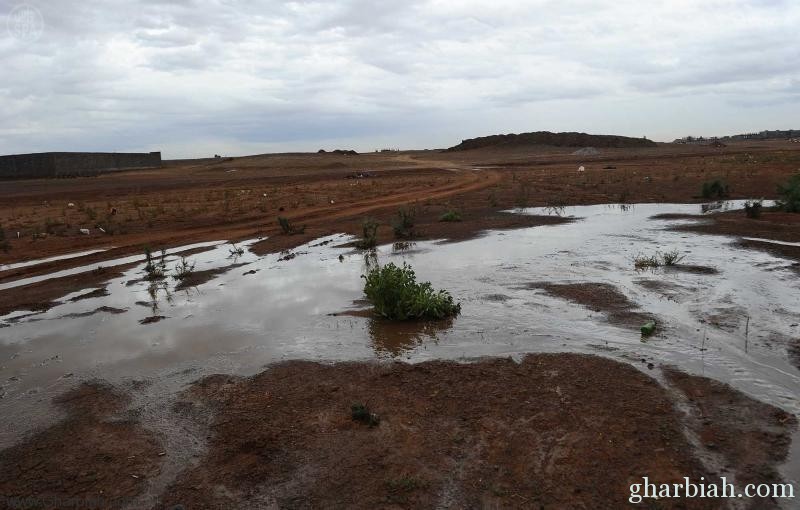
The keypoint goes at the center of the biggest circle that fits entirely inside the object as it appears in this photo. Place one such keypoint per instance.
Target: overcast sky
(195, 78)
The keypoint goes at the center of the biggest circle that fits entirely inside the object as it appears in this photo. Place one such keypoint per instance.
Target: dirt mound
(555, 139)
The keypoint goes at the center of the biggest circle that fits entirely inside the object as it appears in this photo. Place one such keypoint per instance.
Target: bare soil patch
(494, 433)
(753, 437)
(89, 456)
(599, 297)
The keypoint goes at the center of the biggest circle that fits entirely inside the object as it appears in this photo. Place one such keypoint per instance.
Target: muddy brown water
(734, 325)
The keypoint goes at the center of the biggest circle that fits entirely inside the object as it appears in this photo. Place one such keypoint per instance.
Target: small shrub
(288, 228)
(395, 294)
(369, 237)
(183, 270)
(4, 244)
(450, 216)
(753, 209)
(790, 195)
(403, 224)
(235, 251)
(715, 189)
(361, 413)
(671, 258)
(155, 269)
(646, 261)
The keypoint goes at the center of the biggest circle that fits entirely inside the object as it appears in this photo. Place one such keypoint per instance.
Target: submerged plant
(155, 269)
(183, 270)
(235, 251)
(646, 261)
(670, 258)
(753, 209)
(395, 294)
(790, 195)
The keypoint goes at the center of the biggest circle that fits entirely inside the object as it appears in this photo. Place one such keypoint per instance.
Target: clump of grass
(155, 269)
(450, 216)
(395, 294)
(670, 258)
(753, 209)
(361, 413)
(4, 244)
(715, 189)
(183, 270)
(790, 195)
(288, 228)
(646, 261)
(369, 234)
(403, 224)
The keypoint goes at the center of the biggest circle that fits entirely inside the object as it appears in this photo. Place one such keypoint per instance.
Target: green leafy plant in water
(395, 294)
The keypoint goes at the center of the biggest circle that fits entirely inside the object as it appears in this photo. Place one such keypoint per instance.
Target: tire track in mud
(470, 180)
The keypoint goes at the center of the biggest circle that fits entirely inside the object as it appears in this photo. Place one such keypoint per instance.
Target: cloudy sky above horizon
(195, 78)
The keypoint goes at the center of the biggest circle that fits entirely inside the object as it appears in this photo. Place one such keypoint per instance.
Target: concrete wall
(73, 164)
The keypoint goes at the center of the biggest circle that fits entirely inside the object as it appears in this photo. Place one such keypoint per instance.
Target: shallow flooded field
(723, 312)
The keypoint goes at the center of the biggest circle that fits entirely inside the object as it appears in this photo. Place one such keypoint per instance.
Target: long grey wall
(72, 164)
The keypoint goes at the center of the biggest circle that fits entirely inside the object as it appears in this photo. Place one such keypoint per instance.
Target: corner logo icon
(25, 23)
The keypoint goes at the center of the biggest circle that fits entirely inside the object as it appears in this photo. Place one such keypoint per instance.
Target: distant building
(73, 164)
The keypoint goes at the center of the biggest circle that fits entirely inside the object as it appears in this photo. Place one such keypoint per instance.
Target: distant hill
(553, 139)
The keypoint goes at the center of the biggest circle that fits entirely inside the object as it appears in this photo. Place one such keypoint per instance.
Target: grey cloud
(140, 73)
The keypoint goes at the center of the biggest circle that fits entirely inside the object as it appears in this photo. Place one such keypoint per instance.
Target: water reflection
(395, 338)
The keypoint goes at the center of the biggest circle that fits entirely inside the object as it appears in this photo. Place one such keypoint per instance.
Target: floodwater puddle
(28, 263)
(277, 307)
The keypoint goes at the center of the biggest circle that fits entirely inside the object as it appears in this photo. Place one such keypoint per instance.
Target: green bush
(450, 216)
(790, 195)
(396, 295)
(715, 189)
